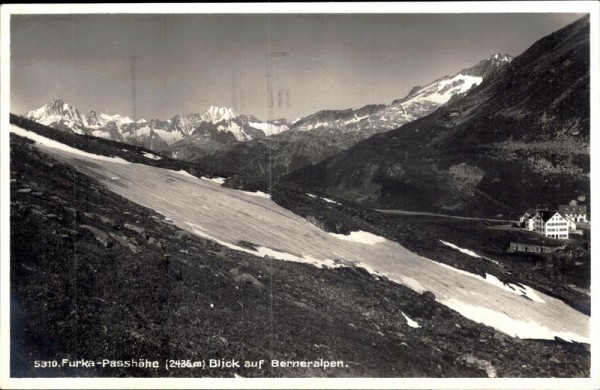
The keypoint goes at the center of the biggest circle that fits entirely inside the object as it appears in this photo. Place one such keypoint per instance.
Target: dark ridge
(110, 148)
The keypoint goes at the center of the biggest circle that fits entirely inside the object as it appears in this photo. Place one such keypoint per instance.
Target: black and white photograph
(318, 196)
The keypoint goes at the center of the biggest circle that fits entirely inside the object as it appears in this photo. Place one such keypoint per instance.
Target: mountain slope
(519, 139)
(183, 288)
(315, 137)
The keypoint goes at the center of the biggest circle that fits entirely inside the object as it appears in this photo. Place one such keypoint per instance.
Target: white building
(551, 223)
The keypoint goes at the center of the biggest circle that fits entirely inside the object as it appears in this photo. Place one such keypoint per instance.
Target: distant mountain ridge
(318, 136)
(518, 139)
(420, 101)
(155, 134)
(221, 131)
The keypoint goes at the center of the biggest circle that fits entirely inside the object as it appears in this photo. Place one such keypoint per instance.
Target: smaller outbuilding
(574, 213)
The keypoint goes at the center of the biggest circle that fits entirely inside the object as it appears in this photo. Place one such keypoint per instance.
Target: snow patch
(269, 128)
(313, 126)
(186, 173)
(515, 289)
(262, 251)
(169, 137)
(523, 290)
(118, 119)
(360, 237)
(409, 282)
(49, 143)
(331, 201)
(410, 322)
(200, 233)
(257, 193)
(431, 94)
(324, 199)
(356, 119)
(508, 325)
(137, 132)
(151, 156)
(466, 251)
(218, 180)
(48, 120)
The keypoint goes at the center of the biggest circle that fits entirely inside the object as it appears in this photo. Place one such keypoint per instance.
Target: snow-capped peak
(54, 111)
(62, 116)
(485, 67)
(501, 57)
(53, 107)
(216, 114)
(118, 119)
(441, 91)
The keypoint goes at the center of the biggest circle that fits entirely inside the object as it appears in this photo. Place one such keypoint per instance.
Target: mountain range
(315, 137)
(220, 123)
(520, 138)
(222, 132)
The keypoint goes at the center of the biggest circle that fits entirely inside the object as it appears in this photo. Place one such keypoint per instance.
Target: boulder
(100, 236)
(245, 278)
(155, 242)
(138, 229)
(183, 235)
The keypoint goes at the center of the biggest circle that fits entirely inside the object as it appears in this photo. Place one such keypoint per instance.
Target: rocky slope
(159, 135)
(519, 139)
(174, 294)
(315, 137)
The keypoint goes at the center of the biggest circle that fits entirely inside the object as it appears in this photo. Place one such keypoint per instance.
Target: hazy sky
(189, 62)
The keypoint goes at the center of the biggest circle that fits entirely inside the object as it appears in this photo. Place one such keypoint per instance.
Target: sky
(192, 61)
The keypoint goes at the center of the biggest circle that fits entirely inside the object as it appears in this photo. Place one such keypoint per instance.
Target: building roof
(547, 214)
(573, 209)
(530, 213)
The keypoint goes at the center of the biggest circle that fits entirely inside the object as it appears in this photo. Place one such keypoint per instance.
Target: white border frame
(591, 7)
